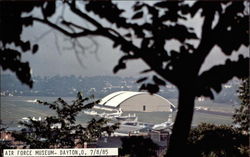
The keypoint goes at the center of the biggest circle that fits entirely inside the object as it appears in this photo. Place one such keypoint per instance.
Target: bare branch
(57, 43)
(69, 24)
(106, 32)
(85, 32)
(43, 35)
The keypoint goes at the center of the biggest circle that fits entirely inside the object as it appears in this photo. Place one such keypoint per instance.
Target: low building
(8, 141)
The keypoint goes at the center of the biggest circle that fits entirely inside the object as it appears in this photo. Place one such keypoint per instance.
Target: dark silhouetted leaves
(138, 15)
(60, 129)
(179, 32)
(119, 67)
(25, 46)
(144, 43)
(138, 146)
(50, 8)
(115, 44)
(11, 60)
(137, 6)
(230, 31)
(11, 24)
(180, 67)
(35, 48)
(229, 140)
(90, 105)
(159, 81)
(108, 11)
(79, 95)
(241, 114)
(163, 4)
(151, 88)
(128, 35)
(218, 75)
(142, 80)
(27, 21)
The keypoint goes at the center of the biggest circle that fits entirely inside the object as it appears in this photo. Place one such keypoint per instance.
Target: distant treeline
(100, 86)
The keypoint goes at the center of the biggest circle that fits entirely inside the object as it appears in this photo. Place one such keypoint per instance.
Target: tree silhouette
(11, 27)
(218, 141)
(241, 116)
(225, 25)
(136, 146)
(61, 130)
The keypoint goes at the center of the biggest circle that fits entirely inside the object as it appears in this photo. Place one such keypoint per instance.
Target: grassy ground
(15, 108)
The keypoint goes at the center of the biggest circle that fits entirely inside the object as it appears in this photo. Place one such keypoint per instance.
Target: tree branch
(116, 37)
(85, 32)
(217, 75)
(206, 43)
(69, 24)
(83, 15)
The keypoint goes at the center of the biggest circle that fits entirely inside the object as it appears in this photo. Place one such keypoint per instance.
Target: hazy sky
(49, 61)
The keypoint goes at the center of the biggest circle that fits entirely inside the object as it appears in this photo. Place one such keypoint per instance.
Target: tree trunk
(177, 145)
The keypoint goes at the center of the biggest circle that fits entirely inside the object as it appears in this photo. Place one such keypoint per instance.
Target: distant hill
(100, 86)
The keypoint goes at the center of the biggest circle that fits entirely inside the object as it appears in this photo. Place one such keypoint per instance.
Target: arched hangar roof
(117, 98)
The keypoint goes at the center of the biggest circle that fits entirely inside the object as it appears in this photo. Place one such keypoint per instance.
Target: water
(13, 109)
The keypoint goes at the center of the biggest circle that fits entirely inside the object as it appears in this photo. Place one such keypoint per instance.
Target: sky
(56, 57)
(63, 60)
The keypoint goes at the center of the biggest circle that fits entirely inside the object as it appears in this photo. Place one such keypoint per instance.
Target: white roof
(115, 99)
(110, 96)
(171, 105)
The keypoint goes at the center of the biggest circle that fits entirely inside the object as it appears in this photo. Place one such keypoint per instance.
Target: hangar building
(137, 101)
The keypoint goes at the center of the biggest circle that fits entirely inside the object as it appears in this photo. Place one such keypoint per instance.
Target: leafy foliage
(11, 59)
(61, 130)
(241, 116)
(95, 129)
(225, 25)
(12, 24)
(209, 140)
(154, 33)
(6, 145)
(137, 146)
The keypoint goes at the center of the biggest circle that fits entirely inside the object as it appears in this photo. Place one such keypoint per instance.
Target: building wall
(146, 103)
